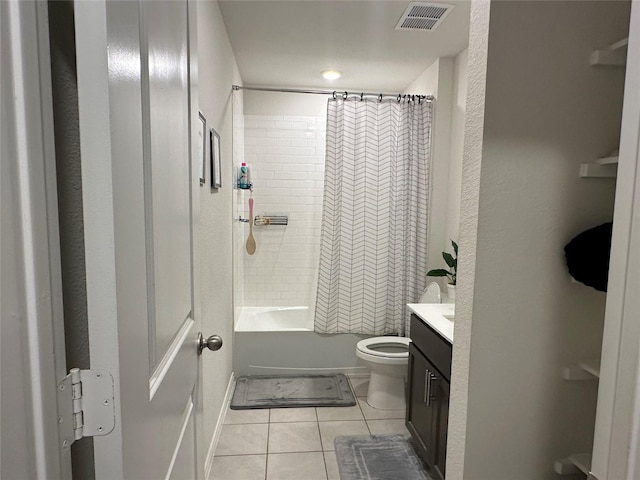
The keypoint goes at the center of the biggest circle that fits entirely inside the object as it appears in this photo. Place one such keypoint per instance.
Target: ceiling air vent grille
(423, 16)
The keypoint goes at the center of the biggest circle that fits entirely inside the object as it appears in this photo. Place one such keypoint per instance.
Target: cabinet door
(440, 388)
(421, 414)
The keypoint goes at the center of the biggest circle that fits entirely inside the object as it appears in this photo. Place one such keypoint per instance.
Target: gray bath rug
(281, 391)
(379, 457)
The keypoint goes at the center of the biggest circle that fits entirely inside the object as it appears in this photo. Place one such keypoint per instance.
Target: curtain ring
(334, 94)
(399, 97)
(345, 94)
(361, 96)
(380, 98)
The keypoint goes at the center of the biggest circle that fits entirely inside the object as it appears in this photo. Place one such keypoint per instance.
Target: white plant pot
(451, 292)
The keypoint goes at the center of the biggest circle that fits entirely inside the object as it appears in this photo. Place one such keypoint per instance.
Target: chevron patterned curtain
(373, 250)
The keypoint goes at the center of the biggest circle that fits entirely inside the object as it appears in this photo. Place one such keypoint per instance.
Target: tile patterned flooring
(296, 443)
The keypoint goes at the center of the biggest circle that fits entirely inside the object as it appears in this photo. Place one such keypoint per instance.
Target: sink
(439, 316)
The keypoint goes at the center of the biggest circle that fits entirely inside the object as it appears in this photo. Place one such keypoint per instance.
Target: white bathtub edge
(208, 462)
(248, 316)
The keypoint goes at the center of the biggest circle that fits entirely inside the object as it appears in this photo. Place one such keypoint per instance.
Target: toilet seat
(366, 349)
(431, 294)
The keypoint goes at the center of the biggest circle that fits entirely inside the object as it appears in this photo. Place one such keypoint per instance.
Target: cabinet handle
(429, 377)
(427, 387)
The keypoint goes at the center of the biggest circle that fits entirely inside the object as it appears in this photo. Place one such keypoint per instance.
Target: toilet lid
(431, 294)
(389, 347)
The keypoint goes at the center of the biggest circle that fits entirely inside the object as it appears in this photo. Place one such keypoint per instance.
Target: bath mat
(379, 457)
(282, 391)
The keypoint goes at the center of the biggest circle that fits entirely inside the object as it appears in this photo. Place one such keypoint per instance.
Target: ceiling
(288, 43)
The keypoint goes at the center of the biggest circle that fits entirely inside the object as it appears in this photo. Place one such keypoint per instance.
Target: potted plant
(452, 263)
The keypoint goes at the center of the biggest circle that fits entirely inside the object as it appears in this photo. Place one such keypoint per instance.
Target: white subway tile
(301, 118)
(255, 132)
(288, 169)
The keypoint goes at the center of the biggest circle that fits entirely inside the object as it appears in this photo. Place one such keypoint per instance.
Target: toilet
(387, 357)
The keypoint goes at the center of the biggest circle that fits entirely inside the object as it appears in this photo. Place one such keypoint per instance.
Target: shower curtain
(373, 249)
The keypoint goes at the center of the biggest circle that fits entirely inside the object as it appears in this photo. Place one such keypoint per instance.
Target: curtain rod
(335, 93)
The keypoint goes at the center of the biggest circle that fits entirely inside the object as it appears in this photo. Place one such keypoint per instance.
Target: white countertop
(433, 314)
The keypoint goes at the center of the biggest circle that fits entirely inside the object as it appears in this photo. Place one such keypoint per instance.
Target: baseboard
(208, 463)
(348, 371)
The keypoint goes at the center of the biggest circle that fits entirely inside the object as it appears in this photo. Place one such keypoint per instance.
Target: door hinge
(85, 405)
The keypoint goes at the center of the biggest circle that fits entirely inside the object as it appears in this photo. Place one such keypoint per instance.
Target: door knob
(213, 343)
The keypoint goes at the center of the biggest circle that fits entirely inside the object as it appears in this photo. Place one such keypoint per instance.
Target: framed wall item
(202, 137)
(216, 162)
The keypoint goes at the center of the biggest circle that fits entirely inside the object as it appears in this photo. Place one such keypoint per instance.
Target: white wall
(437, 80)
(217, 72)
(546, 111)
(469, 193)
(456, 146)
(446, 80)
(279, 103)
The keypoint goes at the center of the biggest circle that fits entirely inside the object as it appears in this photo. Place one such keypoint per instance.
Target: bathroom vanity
(428, 381)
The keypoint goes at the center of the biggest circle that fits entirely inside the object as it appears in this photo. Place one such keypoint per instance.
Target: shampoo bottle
(243, 180)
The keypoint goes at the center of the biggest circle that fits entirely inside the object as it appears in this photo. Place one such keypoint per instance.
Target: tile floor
(296, 443)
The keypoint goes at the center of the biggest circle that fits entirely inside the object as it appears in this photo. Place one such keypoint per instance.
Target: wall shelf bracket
(573, 464)
(579, 372)
(615, 55)
(601, 168)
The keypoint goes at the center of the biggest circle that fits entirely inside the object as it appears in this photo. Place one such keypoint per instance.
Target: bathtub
(281, 340)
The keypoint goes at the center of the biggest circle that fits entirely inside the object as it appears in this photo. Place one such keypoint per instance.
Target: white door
(135, 64)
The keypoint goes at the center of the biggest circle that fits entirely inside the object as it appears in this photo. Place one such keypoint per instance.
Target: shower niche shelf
(271, 220)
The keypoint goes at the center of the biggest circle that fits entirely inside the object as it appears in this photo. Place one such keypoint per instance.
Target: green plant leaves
(438, 272)
(449, 259)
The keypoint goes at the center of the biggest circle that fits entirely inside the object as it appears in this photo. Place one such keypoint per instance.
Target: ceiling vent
(423, 16)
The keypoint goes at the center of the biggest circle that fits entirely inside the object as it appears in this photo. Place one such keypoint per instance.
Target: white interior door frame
(617, 439)
(632, 315)
(194, 108)
(97, 198)
(33, 354)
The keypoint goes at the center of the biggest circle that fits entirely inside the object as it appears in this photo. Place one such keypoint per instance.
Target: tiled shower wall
(238, 199)
(286, 158)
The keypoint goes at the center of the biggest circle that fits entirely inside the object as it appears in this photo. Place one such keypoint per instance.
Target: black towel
(588, 256)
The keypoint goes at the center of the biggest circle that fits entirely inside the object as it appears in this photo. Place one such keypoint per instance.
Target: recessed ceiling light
(331, 74)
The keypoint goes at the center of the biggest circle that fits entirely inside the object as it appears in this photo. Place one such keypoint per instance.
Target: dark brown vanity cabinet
(428, 393)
